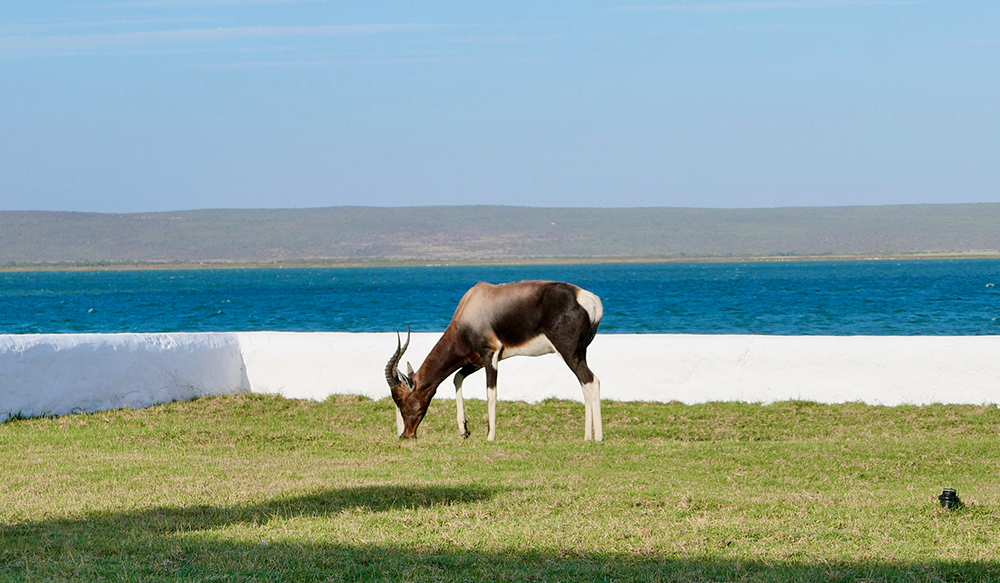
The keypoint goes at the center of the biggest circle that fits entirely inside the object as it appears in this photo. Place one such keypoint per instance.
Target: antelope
(492, 323)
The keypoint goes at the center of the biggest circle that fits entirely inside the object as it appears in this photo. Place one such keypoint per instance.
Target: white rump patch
(537, 346)
(592, 304)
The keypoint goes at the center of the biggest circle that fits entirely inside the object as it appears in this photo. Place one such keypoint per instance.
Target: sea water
(927, 297)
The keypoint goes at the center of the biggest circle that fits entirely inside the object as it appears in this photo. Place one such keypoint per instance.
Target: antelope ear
(409, 370)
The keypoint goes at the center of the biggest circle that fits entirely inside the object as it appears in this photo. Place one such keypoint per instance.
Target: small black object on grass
(949, 499)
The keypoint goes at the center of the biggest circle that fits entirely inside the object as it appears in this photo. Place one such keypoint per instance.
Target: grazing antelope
(494, 322)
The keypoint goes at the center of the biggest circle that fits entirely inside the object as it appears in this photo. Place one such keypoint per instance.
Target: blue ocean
(927, 297)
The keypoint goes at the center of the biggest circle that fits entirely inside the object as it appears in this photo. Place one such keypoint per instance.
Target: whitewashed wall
(59, 374)
(56, 374)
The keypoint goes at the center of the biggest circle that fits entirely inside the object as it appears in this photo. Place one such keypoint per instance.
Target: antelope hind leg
(593, 426)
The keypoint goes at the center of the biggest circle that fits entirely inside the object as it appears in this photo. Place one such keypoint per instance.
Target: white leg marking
(399, 423)
(491, 405)
(593, 422)
(460, 406)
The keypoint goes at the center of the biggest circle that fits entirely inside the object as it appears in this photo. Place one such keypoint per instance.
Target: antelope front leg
(463, 427)
(491, 396)
(491, 406)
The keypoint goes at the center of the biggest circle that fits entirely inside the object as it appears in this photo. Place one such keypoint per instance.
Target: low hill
(493, 233)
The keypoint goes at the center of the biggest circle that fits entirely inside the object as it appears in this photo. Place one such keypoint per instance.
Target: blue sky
(146, 105)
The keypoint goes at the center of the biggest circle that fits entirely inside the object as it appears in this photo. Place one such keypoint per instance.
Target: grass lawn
(259, 488)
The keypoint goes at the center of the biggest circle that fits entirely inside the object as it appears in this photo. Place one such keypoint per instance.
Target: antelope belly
(537, 346)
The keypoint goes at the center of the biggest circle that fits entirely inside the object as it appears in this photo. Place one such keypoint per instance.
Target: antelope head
(411, 403)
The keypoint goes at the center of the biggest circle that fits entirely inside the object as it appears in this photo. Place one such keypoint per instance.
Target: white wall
(58, 374)
(55, 374)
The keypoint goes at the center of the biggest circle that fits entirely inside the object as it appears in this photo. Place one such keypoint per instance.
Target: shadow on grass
(145, 545)
(169, 520)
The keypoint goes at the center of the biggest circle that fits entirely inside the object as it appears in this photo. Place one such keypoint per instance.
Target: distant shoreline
(490, 235)
(327, 264)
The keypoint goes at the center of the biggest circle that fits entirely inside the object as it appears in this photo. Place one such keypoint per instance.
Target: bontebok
(494, 322)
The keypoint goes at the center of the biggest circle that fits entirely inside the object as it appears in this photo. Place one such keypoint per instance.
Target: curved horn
(392, 374)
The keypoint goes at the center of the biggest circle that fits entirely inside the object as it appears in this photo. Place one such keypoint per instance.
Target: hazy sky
(126, 106)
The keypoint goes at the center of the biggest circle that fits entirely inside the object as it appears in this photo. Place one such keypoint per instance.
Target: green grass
(256, 488)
